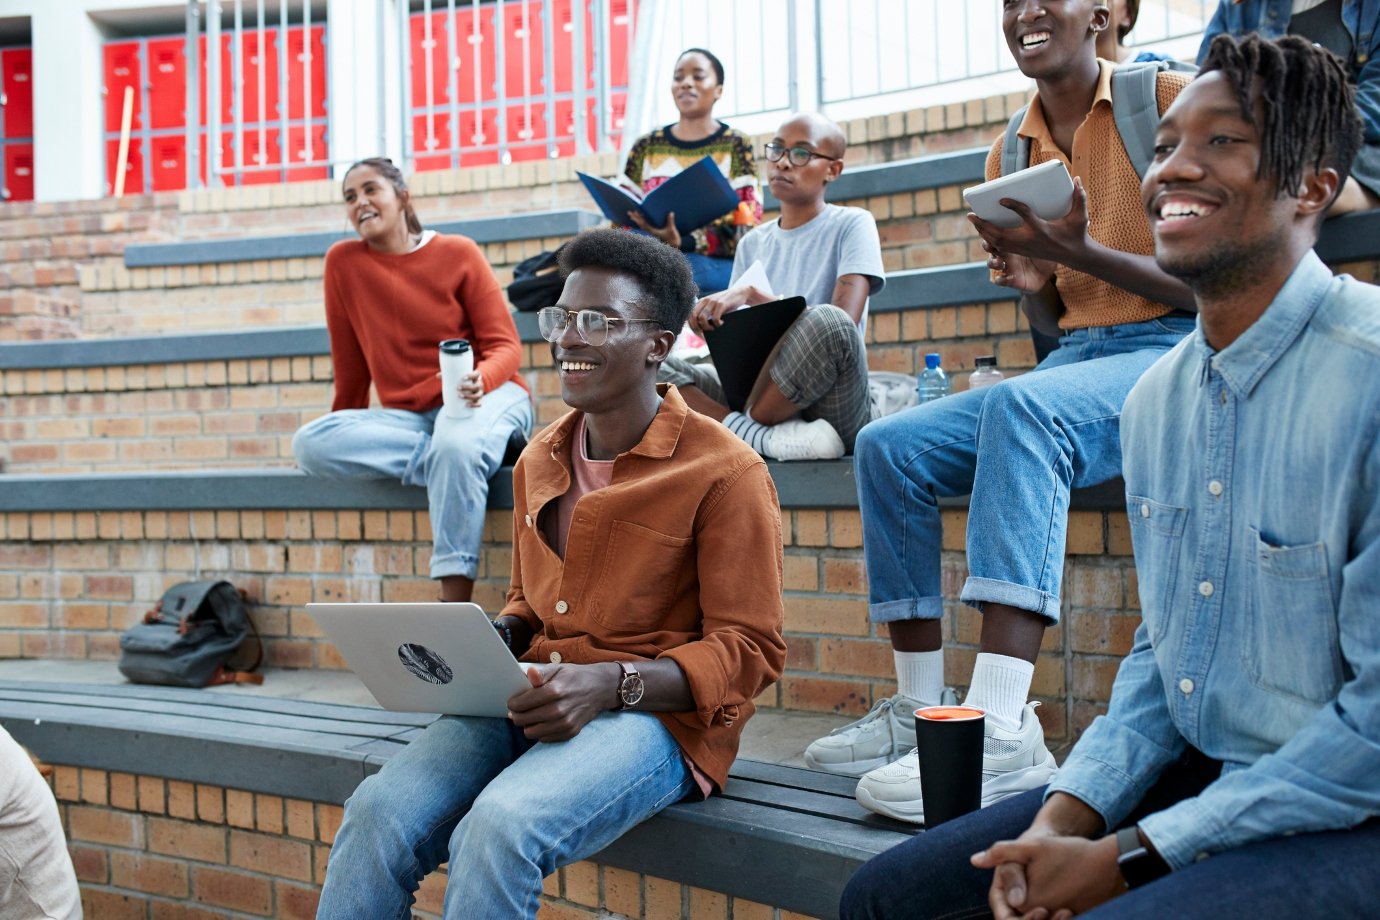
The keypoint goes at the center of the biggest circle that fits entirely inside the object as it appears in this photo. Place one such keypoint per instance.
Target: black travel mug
(949, 744)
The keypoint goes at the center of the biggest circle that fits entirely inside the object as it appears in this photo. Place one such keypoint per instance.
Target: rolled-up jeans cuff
(462, 564)
(980, 591)
(912, 608)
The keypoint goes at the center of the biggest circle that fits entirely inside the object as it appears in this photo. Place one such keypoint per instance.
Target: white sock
(920, 675)
(753, 433)
(1000, 687)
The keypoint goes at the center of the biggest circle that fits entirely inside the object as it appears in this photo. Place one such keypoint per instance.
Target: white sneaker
(800, 440)
(875, 740)
(1012, 762)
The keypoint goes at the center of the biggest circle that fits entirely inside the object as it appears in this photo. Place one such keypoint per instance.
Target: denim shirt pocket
(633, 596)
(1292, 646)
(1157, 535)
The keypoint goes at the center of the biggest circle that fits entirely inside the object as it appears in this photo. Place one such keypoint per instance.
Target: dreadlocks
(1309, 105)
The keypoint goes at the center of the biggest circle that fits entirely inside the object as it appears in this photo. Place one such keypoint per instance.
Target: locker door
(475, 37)
(306, 143)
(262, 165)
(134, 169)
(432, 151)
(167, 84)
(515, 37)
(121, 70)
(19, 172)
(258, 71)
(621, 13)
(440, 60)
(565, 127)
(169, 162)
(18, 68)
(227, 95)
(563, 57)
(306, 56)
(527, 137)
(476, 130)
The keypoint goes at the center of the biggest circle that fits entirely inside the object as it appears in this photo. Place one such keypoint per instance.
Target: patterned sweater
(658, 156)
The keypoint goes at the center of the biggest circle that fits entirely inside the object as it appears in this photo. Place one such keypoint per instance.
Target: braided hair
(1309, 104)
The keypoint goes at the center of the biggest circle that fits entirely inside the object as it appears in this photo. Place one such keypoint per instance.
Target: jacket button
(562, 606)
(555, 657)
(728, 723)
(527, 519)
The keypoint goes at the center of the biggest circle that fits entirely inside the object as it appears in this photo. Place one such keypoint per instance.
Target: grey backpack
(1135, 108)
(187, 639)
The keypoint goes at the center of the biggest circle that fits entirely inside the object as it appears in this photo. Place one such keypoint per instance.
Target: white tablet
(1046, 188)
(444, 658)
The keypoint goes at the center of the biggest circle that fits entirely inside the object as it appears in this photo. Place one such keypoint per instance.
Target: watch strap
(1139, 864)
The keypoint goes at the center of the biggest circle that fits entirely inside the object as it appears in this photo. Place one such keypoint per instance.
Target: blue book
(699, 194)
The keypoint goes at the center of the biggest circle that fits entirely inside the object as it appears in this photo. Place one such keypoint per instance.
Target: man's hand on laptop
(564, 699)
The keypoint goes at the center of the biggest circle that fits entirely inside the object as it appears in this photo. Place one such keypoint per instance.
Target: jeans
(1326, 874)
(1019, 448)
(452, 458)
(711, 274)
(503, 811)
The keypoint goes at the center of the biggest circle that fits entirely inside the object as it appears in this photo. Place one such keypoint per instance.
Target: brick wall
(145, 848)
(70, 583)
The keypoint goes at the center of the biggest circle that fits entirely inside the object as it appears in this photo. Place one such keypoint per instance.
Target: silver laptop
(444, 658)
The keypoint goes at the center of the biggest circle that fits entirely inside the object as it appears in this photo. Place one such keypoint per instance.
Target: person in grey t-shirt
(812, 399)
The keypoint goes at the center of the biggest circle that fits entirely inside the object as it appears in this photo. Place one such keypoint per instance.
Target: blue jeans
(1308, 875)
(503, 811)
(711, 274)
(452, 458)
(1019, 448)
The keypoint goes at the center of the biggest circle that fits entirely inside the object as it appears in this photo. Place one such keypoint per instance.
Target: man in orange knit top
(391, 297)
(1021, 446)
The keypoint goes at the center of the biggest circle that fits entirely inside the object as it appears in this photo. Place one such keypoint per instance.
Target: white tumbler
(457, 363)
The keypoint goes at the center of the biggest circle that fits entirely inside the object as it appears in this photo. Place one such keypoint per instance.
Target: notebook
(444, 658)
(697, 194)
(741, 346)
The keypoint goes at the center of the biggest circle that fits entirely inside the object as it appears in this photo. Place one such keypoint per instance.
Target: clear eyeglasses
(590, 325)
(799, 156)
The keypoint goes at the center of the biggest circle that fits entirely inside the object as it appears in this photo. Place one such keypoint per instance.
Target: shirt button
(1145, 511)
(555, 657)
(1186, 686)
(1215, 487)
(1222, 397)
(1205, 589)
(562, 606)
(527, 519)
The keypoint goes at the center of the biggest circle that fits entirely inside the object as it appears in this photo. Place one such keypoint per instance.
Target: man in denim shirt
(1239, 757)
(1349, 29)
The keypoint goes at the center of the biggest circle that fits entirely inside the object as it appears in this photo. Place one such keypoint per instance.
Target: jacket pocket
(1291, 630)
(1157, 534)
(642, 569)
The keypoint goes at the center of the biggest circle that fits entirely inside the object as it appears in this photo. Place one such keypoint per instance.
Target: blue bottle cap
(932, 359)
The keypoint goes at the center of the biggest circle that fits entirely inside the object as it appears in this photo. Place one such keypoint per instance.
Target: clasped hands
(1024, 257)
(564, 698)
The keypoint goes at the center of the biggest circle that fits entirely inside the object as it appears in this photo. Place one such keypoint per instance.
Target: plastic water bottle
(986, 374)
(932, 383)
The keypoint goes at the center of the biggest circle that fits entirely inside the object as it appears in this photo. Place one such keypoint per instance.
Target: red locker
(431, 148)
(440, 60)
(475, 37)
(168, 162)
(516, 35)
(262, 163)
(306, 57)
(260, 69)
(121, 70)
(527, 136)
(621, 14)
(167, 84)
(134, 167)
(19, 172)
(306, 143)
(17, 65)
(478, 130)
(563, 57)
(226, 84)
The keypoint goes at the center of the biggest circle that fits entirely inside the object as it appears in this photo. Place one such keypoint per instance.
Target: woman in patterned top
(696, 85)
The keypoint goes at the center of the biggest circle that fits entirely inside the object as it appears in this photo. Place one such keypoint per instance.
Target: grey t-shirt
(809, 260)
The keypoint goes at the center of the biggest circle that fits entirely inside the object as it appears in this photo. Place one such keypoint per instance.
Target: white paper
(756, 275)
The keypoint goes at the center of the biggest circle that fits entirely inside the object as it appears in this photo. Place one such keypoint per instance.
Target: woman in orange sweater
(391, 297)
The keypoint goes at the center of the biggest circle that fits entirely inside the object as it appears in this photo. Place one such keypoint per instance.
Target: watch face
(631, 689)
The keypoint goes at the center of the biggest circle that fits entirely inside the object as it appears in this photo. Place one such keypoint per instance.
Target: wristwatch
(1139, 864)
(630, 686)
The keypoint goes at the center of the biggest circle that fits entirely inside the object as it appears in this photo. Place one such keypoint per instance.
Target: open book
(698, 194)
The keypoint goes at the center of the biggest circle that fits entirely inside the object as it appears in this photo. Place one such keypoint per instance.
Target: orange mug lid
(949, 713)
